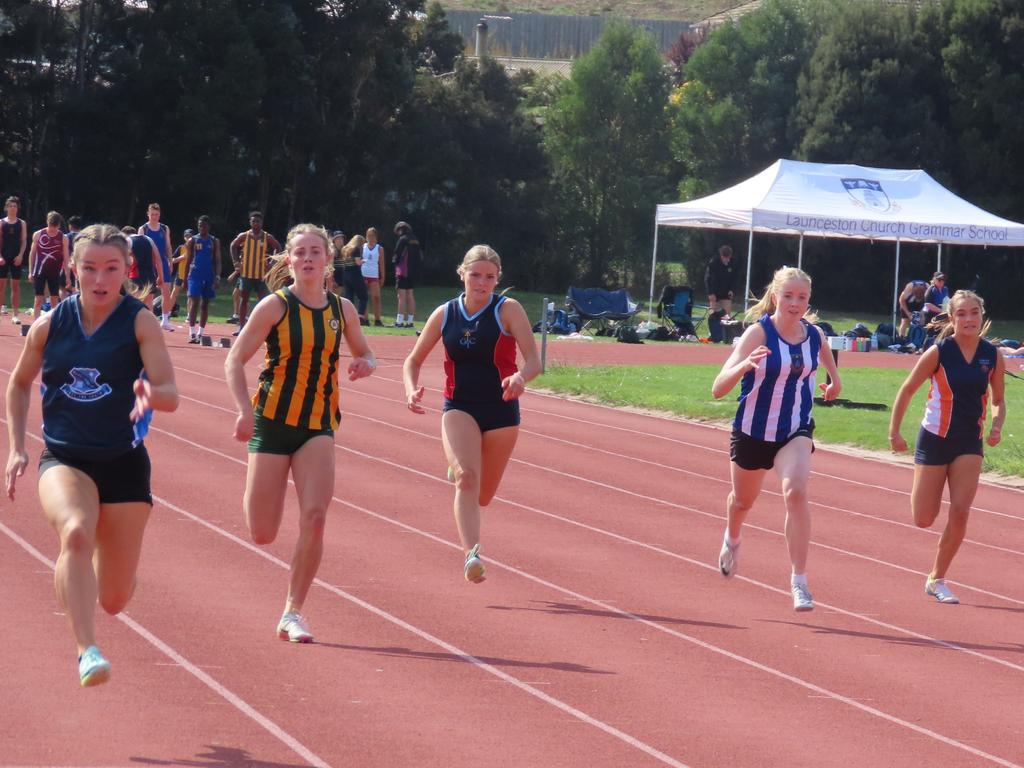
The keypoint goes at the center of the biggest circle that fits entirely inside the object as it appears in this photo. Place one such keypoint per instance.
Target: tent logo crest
(867, 193)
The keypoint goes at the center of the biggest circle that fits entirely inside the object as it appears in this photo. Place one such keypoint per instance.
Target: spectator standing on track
(250, 251)
(290, 421)
(352, 275)
(965, 371)
(776, 362)
(480, 331)
(160, 234)
(13, 242)
(406, 259)
(144, 271)
(47, 258)
(203, 269)
(373, 271)
(179, 267)
(104, 369)
(719, 281)
(74, 228)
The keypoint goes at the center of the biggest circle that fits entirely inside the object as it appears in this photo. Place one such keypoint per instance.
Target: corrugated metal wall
(541, 36)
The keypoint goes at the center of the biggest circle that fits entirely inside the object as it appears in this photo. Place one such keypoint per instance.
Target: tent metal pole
(800, 253)
(938, 264)
(896, 287)
(750, 254)
(654, 260)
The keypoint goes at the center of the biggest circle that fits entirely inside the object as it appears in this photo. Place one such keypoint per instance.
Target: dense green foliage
(362, 113)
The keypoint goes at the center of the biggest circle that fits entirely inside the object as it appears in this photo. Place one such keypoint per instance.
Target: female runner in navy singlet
(94, 470)
(776, 362)
(480, 331)
(965, 371)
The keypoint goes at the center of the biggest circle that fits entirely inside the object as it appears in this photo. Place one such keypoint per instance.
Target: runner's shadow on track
(568, 609)
(408, 653)
(999, 608)
(218, 757)
(901, 639)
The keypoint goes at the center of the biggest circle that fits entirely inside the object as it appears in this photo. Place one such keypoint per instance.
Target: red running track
(603, 636)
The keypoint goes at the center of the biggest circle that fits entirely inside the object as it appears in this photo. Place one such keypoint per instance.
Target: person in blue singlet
(203, 270)
(13, 245)
(966, 371)
(480, 331)
(160, 234)
(776, 363)
(104, 370)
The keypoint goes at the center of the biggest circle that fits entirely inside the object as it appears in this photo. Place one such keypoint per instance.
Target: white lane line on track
(691, 423)
(700, 476)
(824, 692)
(434, 640)
(232, 698)
(671, 505)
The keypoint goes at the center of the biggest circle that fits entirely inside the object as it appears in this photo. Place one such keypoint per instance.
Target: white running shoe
(729, 558)
(93, 669)
(294, 628)
(16, 320)
(802, 600)
(3, 309)
(474, 568)
(937, 588)
(167, 326)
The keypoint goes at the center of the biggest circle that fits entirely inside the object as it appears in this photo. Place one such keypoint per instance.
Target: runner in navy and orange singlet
(47, 258)
(13, 245)
(965, 372)
(776, 363)
(480, 331)
(289, 423)
(104, 370)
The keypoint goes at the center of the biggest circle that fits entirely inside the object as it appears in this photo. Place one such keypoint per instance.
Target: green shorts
(253, 285)
(269, 436)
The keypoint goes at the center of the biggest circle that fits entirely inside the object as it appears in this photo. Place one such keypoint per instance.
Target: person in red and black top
(406, 258)
(47, 258)
(480, 331)
(966, 373)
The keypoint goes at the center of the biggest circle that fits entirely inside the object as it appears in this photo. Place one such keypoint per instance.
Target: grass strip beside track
(685, 390)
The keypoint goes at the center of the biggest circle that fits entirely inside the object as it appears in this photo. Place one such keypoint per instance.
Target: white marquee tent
(851, 201)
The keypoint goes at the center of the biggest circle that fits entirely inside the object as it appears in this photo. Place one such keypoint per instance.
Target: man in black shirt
(719, 280)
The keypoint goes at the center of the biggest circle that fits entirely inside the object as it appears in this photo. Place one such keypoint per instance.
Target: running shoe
(93, 669)
(15, 320)
(474, 568)
(193, 339)
(802, 600)
(378, 324)
(167, 326)
(937, 588)
(729, 558)
(238, 331)
(294, 628)
(233, 320)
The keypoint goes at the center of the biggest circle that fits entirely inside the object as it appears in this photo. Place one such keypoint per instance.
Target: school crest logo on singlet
(84, 386)
(468, 335)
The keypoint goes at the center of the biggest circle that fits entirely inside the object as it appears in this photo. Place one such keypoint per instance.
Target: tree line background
(363, 112)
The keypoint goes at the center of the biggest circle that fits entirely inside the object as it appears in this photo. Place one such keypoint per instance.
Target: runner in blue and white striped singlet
(776, 397)
(776, 362)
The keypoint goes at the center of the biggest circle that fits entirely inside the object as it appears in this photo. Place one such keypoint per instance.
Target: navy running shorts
(121, 480)
(488, 416)
(750, 453)
(932, 450)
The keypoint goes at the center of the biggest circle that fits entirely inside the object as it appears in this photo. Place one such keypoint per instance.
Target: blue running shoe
(93, 669)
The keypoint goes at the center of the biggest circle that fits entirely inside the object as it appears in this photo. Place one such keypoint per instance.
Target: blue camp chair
(677, 310)
(600, 311)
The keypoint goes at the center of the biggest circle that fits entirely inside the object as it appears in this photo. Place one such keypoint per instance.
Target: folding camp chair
(600, 310)
(677, 310)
